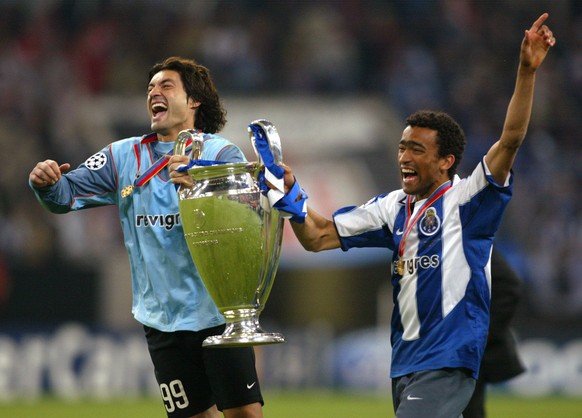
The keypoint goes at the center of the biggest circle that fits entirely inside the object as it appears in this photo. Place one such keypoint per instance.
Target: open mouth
(158, 109)
(408, 175)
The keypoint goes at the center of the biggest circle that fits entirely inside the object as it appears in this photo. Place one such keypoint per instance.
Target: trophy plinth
(243, 328)
(235, 240)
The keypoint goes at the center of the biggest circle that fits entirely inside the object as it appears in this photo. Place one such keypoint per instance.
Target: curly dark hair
(198, 84)
(450, 135)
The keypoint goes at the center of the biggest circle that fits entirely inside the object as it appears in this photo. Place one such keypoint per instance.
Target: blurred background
(337, 78)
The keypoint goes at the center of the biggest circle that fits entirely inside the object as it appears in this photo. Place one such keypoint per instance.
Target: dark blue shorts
(193, 378)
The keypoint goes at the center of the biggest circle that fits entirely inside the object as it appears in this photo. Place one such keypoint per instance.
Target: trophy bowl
(234, 238)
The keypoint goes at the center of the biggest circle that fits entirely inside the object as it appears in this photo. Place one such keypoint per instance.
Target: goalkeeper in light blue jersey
(169, 298)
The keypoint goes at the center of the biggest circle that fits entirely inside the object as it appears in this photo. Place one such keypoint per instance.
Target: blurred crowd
(456, 55)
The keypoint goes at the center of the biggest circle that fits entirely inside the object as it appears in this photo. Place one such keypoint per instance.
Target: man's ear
(447, 162)
(193, 104)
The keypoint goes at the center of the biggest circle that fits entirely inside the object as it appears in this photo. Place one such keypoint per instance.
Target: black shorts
(193, 378)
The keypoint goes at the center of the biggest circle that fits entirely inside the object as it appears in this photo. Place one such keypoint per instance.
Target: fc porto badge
(430, 222)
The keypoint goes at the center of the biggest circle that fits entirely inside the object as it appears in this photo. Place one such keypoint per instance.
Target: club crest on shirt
(430, 222)
(96, 161)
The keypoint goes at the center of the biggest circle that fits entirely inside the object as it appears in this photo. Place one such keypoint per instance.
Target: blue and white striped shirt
(441, 301)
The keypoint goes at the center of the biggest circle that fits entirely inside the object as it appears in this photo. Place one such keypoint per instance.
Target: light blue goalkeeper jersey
(168, 293)
(442, 290)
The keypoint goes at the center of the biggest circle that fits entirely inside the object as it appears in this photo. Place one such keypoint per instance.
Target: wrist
(526, 70)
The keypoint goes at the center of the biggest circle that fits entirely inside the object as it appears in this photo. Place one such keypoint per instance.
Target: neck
(166, 138)
(431, 191)
(170, 134)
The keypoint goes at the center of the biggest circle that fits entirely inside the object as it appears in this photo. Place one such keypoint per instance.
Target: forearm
(79, 189)
(51, 198)
(500, 157)
(519, 110)
(317, 233)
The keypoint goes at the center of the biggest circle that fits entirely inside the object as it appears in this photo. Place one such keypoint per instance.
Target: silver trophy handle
(272, 138)
(182, 141)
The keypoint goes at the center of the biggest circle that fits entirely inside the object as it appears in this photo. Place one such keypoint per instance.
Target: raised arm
(534, 48)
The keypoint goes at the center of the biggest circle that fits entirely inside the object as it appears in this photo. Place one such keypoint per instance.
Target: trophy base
(243, 332)
(243, 340)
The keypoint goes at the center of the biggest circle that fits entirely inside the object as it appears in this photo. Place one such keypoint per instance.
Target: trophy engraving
(234, 238)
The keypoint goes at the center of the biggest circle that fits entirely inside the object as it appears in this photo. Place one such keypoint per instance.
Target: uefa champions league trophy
(234, 237)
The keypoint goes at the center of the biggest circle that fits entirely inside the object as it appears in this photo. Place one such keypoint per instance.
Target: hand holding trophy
(234, 236)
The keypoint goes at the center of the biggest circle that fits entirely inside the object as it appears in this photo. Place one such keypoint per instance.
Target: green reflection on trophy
(234, 238)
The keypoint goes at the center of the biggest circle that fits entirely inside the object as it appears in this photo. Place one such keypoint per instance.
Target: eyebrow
(411, 143)
(162, 81)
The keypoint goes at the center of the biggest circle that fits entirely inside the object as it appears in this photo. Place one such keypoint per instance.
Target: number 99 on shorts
(174, 395)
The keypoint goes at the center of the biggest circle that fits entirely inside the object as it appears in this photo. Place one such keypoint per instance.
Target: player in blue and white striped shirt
(440, 229)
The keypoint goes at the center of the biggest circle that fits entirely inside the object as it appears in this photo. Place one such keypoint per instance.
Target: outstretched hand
(536, 43)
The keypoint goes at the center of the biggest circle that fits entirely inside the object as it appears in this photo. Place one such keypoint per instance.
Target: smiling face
(170, 109)
(422, 171)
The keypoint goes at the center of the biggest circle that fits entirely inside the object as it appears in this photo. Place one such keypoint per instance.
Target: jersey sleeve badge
(96, 161)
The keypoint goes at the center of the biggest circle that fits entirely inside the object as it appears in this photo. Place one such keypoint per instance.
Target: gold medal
(400, 267)
(126, 191)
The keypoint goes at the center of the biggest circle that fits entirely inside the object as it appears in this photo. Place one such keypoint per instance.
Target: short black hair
(450, 135)
(198, 84)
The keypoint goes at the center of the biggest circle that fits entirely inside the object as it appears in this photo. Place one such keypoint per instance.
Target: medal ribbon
(156, 167)
(409, 224)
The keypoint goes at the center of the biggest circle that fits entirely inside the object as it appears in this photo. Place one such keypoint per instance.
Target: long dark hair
(198, 84)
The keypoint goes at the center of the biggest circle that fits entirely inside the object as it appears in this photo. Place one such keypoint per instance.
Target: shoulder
(221, 149)
(123, 145)
(394, 199)
(128, 142)
(216, 142)
(479, 180)
(381, 206)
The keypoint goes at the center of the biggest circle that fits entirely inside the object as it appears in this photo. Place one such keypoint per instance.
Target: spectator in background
(501, 360)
